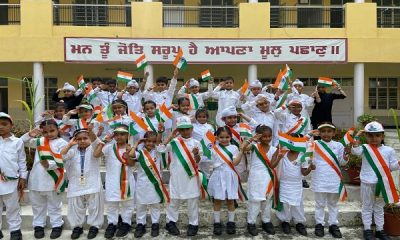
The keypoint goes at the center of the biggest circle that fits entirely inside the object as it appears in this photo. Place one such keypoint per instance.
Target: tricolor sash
(299, 127)
(183, 153)
(149, 167)
(63, 127)
(150, 124)
(329, 157)
(194, 104)
(227, 157)
(125, 188)
(236, 139)
(45, 154)
(385, 185)
(81, 124)
(273, 186)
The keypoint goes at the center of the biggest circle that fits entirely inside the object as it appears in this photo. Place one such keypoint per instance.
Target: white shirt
(367, 175)
(39, 178)
(267, 119)
(89, 169)
(306, 101)
(134, 101)
(226, 99)
(165, 96)
(200, 130)
(201, 97)
(12, 163)
(106, 97)
(216, 159)
(289, 120)
(249, 107)
(181, 186)
(324, 178)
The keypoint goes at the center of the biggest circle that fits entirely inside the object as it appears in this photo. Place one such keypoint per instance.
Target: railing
(307, 16)
(201, 16)
(92, 15)
(388, 17)
(10, 14)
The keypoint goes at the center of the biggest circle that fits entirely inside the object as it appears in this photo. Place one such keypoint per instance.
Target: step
(349, 215)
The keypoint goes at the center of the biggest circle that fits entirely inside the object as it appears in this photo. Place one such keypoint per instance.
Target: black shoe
(252, 229)
(319, 230)
(192, 230)
(286, 228)
(123, 230)
(382, 235)
(110, 231)
(56, 232)
(301, 229)
(16, 235)
(155, 229)
(369, 234)
(305, 184)
(1, 235)
(235, 204)
(268, 228)
(39, 232)
(92, 232)
(230, 228)
(335, 231)
(76, 232)
(217, 229)
(140, 230)
(172, 228)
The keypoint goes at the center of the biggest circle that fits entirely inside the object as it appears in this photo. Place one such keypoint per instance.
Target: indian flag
(81, 82)
(138, 121)
(90, 94)
(114, 122)
(244, 89)
(293, 143)
(287, 72)
(124, 77)
(309, 154)
(206, 75)
(194, 104)
(348, 137)
(245, 130)
(206, 143)
(141, 62)
(179, 61)
(106, 115)
(163, 114)
(282, 100)
(326, 82)
(281, 81)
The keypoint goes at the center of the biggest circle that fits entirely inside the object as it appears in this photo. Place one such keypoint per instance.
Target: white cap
(255, 84)
(230, 111)
(183, 122)
(374, 127)
(193, 83)
(298, 82)
(295, 101)
(86, 106)
(68, 87)
(133, 83)
(5, 115)
(261, 97)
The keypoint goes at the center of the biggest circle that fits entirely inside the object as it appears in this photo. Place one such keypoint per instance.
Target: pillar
(358, 90)
(359, 1)
(38, 82)
(253, 1)
(252, 72)
(150, 79)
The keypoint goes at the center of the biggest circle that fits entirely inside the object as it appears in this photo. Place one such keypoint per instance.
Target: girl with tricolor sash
(150, 189)
(47, 178)
(377, 185)
(120, 183)
(327, 180)
(186, 182)
(183, 109)
(224, 184)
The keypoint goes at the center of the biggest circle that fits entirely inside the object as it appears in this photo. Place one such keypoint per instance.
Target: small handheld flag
(244, 90)
(281, 81)
(298, 144)
(139, 121)
(326, 82)
(124, 77)
(179, 61)
(348, 137)
(244, 130)
(141, 63)
(90, 94)
(287, 72)
(206, 75)
(207, 142)
(81, 82)
(163, 114)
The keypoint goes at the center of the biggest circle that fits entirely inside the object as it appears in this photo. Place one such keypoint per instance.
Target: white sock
(231, 216)
(217, 216)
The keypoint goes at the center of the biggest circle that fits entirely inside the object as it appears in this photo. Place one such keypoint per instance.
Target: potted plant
(392, 219)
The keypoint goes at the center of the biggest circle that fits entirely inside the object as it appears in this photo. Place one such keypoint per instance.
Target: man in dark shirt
(71, 97)
(322, 111)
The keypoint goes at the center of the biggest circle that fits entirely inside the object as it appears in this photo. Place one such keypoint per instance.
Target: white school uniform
(306, 101)
(44, 199)
(226, 99)
(287, 121)
(268, 119)
(372, 205)
(12, 164)
(257, 185)
(242, 166)
(86, 195)
(223, 183)
(106, 97)
(199, 132)
(134, 101)
(201, 97)
(250, 105)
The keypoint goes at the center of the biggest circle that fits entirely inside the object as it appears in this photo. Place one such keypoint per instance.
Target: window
(90, 15)
(383, 93)
(172, 2)
(4, 95)
(50, 87)
(217, 17)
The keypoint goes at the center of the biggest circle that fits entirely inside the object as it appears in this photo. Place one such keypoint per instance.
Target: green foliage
(365, 119)
(396, 122)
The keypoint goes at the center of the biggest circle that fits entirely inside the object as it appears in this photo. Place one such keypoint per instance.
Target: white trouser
(322, 200)
(193, 210)
(254, 207)
(48, 202)
(77, 206)
(288, 212)
(371, 204)
(124, 207)
(141, 213)
(13, 211)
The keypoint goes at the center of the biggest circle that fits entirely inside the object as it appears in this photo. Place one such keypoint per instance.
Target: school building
(356, 43)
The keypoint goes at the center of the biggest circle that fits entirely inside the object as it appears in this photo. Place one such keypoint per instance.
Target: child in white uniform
(297, 93)
(13, 175)
(292, 121)
(199, 98)
(183, 110)
(133, 96)
(375, 158)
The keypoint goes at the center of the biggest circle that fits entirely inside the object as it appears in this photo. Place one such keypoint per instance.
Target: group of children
(72, 141)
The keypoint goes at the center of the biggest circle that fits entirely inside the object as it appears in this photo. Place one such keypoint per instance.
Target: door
(3, 13)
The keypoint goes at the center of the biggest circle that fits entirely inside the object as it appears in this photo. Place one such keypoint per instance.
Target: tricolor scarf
(227, 157)
(194, 104)
(299, 127)
(63, 127)
(149, 167)
(236, 139)
(45, 154)
(385, 185)
(125, 188)
(150, 124)
(330, 158)
(273, 186)
(81, 124)
(183, 153)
